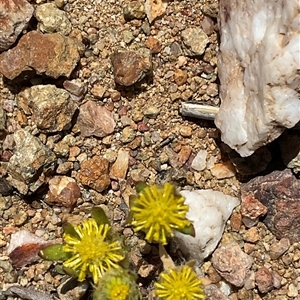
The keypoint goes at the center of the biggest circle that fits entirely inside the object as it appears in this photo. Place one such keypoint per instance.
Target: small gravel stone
(252, 235)
(76, 88)
(251, 209)
(63, 191)
(180, 77)
(151, 111)
(194, 41)
(128, 135)
(223, 170)
(134, 10)
(154, 9)
(232, 263)
(279, 248)
(199, 162)
(95, 120)
(119, 169)
(153, 44)
(130, 67)
(94, 173)
(264, 280)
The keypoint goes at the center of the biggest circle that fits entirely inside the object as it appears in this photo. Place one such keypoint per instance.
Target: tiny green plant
(158, 211)
(180, 283)
(117, 284)
(90, 248)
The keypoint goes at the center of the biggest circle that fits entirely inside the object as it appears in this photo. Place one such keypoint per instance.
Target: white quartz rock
(209, 210)
(258, 65)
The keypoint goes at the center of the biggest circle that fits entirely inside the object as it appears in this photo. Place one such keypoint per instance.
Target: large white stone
(208, 210)
(259, 64)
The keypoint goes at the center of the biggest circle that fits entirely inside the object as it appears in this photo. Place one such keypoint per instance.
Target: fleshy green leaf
(140, 186)
(60, 269)
(54, 252)
(99, 216)
(190, 230)
(69, 229)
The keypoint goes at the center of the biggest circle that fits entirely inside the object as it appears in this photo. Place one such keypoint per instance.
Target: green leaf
(60, 270)
(70, 271)
(140, 186)
(99, 216)
(69, 229)
(190, 230)
(54, 252)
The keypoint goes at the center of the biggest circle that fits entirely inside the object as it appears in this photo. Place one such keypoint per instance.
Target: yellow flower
(117, 284)
(93, 249)
(158, 211)
(179, 284)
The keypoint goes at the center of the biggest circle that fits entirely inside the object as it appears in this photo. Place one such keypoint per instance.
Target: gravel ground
(150, 127)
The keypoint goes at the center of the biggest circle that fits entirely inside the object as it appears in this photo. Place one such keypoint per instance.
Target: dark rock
(15, 16)
(51, 54)
(5, 188)
(130, 67)
(253, 164)
(279, 192)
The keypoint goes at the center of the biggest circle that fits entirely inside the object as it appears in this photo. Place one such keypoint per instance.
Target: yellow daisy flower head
(93, 249)
(158, 211)
(117, 284)
(181, 283)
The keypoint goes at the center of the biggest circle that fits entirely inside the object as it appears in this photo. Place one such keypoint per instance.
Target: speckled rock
(50, 54)
(134, 10)
(63, 191)
(30, 162)
(279, 192)
(52, 108)
(51, 19)
(94, 173)
(130, 67)
(15, 16)
(95, 120)
(251, 209)
(264, 280)
(232, 263)
(119, 168)
(155, 9)
(194, 40)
